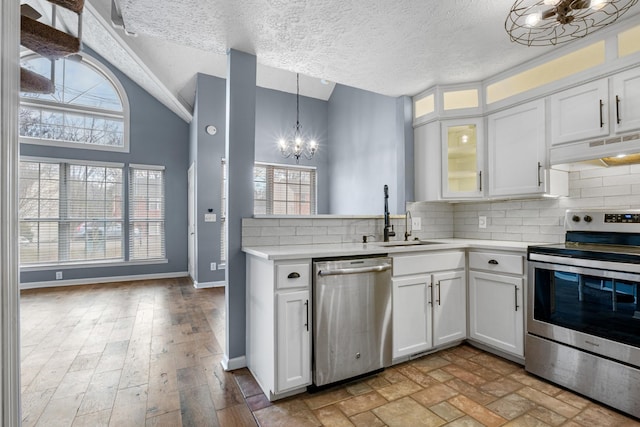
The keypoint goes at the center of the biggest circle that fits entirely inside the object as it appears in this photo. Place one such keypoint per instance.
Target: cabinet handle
(431, 293)
(493, 262)
(480, 179)
(438, 285)
(601, 117)
(516, 298)
(293, 275)
(539, 180)
(618, 109)
(306, 304)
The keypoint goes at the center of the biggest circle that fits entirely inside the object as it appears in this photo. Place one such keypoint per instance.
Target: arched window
(88, 109)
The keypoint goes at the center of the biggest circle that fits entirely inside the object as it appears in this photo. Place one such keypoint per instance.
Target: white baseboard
(202, 285)
(232, 364)
(109, 279)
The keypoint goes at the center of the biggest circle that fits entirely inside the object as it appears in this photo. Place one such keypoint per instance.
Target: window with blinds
(284, 190)
(146, 213)
(70, 213)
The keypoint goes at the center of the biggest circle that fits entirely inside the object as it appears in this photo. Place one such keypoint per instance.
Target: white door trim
(191, 226)
(9, 272)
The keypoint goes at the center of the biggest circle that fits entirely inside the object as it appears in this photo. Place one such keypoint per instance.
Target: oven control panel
(624, 221)
(622, 218)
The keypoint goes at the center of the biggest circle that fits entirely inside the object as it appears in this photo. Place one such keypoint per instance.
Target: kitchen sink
(403, 243)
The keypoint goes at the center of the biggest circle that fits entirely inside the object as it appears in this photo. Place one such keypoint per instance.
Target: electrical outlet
(210, 217)
(222, 266)
(213, 266)
(482, 222)
(416, 223)
(58, 275)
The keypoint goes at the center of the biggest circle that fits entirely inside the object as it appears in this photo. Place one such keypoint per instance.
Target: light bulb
(282, 144)
(313, 145)
(533, 19)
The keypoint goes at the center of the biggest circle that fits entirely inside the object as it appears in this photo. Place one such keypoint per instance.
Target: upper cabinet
(516, 150)
(580, 113)
(462, 158)
(626, 93)
(598, 109)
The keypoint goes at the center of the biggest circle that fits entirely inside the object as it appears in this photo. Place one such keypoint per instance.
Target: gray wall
(157, 137)
(207, 151)
(276, 115)
(368, 139)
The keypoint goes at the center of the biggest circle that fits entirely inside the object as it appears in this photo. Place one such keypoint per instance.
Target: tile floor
(462, 386)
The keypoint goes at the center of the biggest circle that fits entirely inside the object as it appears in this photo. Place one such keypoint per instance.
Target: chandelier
(549, 22)
(297, 146)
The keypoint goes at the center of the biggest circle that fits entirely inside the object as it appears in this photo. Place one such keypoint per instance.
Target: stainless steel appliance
(351, 318)
(583, 320)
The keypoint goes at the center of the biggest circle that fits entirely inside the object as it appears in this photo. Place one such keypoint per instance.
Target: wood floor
(148, 354)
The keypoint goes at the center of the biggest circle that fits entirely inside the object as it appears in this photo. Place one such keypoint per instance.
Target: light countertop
(373, 248)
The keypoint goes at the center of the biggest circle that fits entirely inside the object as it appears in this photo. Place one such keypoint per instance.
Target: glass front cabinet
(462, 158)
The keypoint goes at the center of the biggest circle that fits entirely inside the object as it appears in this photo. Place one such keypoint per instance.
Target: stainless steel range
(583, 320)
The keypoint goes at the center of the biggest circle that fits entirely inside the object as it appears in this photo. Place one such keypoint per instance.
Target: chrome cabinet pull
(493, 262)
(306, 304)
(601, 118)
(293, 275)
(539, 180)
(431, 293)
(480, 179)
(438, 285)
(516, 298)
(618, 109)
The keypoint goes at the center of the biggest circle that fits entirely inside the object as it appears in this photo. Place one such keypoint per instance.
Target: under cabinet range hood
(615, 151)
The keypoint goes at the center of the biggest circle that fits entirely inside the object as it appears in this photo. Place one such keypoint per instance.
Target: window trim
(124, 99)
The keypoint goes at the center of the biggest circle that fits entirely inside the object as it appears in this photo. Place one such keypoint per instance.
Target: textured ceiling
(389, 47)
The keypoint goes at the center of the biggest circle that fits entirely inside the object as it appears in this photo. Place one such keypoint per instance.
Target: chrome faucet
(408, 220)
(388, 228)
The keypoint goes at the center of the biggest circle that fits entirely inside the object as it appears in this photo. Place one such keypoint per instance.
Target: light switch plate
(213, 266)
(416, 223)
(209, 217)
(482, 222)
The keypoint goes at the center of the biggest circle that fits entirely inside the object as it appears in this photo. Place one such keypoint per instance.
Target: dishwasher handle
(355, 270)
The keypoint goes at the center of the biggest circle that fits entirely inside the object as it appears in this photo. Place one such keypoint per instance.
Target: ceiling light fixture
(297, 146)
(549, 22)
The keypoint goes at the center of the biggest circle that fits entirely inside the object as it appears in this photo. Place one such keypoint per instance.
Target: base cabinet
(496, 311)
(279, 325)
(429, 307)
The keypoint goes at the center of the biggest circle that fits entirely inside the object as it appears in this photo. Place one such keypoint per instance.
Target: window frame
(131, 219)
(313, 201)
(100, 68)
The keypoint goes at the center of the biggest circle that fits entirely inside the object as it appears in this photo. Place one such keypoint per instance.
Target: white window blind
(146, 213)
(70, 213)
(284, 190)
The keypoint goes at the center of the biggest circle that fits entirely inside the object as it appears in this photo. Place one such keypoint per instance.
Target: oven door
(590, 309)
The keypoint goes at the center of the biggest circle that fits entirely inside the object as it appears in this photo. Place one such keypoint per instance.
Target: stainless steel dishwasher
(351, 318)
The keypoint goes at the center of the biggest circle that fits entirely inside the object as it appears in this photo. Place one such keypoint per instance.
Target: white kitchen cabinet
(279, 324)
(496, 301)
(429, 301)
(580, 113)
(293, 340)
(626, 99)
(516, 150)
(427, 146)
(411, 315)
(462, 158)
(449, 301)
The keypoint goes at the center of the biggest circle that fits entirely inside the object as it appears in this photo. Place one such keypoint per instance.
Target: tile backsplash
(531, 220)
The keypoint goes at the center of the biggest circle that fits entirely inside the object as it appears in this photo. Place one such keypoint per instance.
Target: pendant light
(297, 146)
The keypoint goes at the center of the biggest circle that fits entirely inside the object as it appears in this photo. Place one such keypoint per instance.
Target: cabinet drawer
(292, 275)
(500, 263)
(428, 262)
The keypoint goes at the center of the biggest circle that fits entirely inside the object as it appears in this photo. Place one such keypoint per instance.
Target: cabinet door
(462, 158)
(626, 91)
(580, 113)
(427, 160)
(449, 307)
(293, 351)
(411, 315)
(516, 149)
(496, 311)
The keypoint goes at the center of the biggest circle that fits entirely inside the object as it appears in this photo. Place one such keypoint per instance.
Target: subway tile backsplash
(536, 220)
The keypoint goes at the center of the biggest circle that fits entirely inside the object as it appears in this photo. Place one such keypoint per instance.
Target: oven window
(599, 306)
